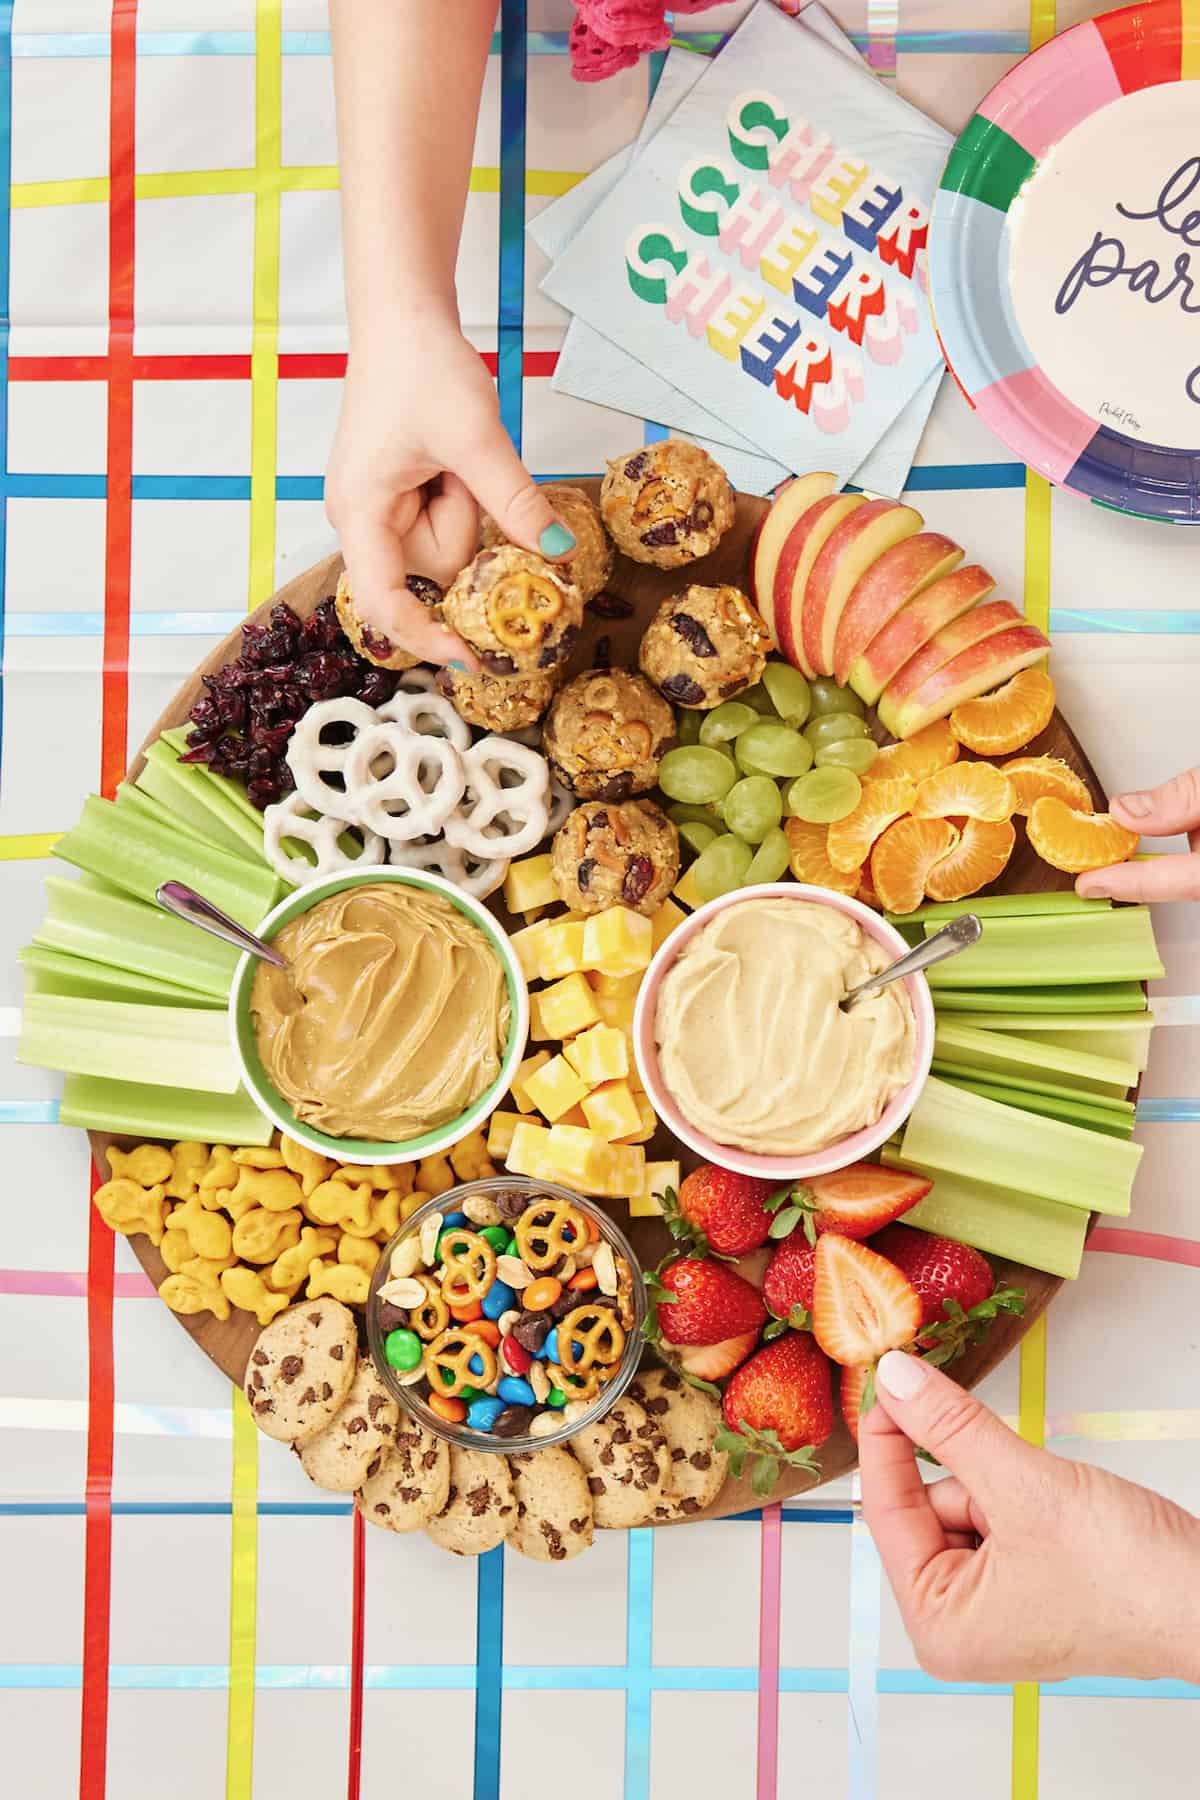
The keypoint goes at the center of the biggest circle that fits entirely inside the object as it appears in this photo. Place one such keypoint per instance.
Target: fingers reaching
(1161, 812)
(443, 538)
(1159, 878)
(502, 484)
(958, 1513)
(375, 565)
(991, 1461)
(907, 1529)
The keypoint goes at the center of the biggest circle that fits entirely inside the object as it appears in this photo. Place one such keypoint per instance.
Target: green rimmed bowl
(368, 1150)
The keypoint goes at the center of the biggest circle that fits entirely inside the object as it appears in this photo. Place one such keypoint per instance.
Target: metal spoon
(194, 909)
(958, 935)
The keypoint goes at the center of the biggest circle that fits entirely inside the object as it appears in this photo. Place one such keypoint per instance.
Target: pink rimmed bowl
(844, 1150)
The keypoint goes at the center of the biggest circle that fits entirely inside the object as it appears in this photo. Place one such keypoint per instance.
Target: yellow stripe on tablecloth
(243, 1603)
(1031, 1422)
(190, 184)
(92, 191)
(1189, 21)
(264, 349)
(1043, 22)
(1037, 550)
(28, 847)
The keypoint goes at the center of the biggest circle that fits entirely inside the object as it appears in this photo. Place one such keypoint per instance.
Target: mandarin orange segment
(810, 860)
(980, 855)
(1075, 841)
(971, 790)
(1033, 776)
(903, 857)
(882, 803)
(923, 754)
(1008, 719)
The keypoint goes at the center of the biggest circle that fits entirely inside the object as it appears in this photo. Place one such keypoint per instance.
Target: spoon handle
(186, 904)
(958, 935)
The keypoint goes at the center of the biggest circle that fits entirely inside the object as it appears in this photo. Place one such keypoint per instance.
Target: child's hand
(419, 448)
(1164, 811)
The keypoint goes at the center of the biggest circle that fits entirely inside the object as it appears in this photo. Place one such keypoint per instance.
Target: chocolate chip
(689, 1505)
(337, 1352)
(355, 1425)
(429, 1459)
(497, 664)
(373, 1466)
(579, 1526)
(666, 533)
(602, 653)
(256, 1380)
(595, 1486)
(409, 1495)
(583, 874)
(513, 1421)
(392, 1318)
(290, 1367)
(560, 649)
(326, 1390)
(430, 593)
(597, 820)
(693, 634)
(678, 1455)
(382, 1509)
(479, 1499)
(684, 689)
(656, 1406)
(531, 1331)
(672, 1381)
(510, 1203)
(309, 1397)
(522, 1509)
(617, 787)
(700, 1459)
(314, 1318)
(622, 1435)
(260, 1357)
(608, 1456)
(554, 1543)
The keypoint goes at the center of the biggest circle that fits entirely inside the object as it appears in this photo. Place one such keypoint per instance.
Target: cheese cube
(647, 1202)
(501, 1126)
(574, 1117)
(555, 1088)
(664, 922)
(617, 941)
(647, 1116)
(624, 1171)
(529, 884)
(600, 1054)
(685, 890)
(528, 1154)
(611, 1111)
(616, 987)
(527, 945)
(563, 1010)
(573, 1153)
(560, 949)
(615, 1010)
(538, 1060)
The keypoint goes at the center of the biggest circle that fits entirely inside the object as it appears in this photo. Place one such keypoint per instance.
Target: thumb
(1162, 811)
(931, 1410)
(504, 487)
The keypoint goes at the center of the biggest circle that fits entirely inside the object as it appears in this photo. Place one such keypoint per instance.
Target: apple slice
(789, 505)
(969, 628)
(972, 672)
(805, 541)
(914, 625)
(848, 553)
(890, 583)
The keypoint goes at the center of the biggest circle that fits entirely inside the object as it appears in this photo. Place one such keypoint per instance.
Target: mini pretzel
(413, 681)
(577, 1384)
(599, 1337)
(496, 819)
(433, 1315)
(656, 500)
(547, 1230)
(614, 743)
(474, 875)
(310, 759)
(737, 612)
(427, 715)
(521, 606)
(468, 1266)
(448, 1362)
(294, 821)
(415, 795)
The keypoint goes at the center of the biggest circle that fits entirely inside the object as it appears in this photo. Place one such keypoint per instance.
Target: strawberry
(703, 1364)
(699, 1301)
(779, 1410)
(854, 1202)
(718, 1210)
(788, 1286)
(955, 1285)
(856, 1394)
(862, 1304)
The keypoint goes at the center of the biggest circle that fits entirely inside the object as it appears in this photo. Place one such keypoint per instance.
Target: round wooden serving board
(229, 1344)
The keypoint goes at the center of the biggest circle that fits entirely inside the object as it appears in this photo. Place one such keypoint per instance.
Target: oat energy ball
(370, 643)
(703, 645)
(623, 855)
(666, 504)
(590, 563)
(498, 702)
(519, 612)
(605, 734)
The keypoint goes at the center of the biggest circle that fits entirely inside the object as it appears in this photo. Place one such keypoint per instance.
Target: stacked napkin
(610, 35)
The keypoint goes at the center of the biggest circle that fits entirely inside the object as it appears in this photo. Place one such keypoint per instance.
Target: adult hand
(1163, 812)
(1021, 1565)
(419, 447)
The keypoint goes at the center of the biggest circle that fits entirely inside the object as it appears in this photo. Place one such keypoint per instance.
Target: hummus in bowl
(398, 1025)
(742, 1045)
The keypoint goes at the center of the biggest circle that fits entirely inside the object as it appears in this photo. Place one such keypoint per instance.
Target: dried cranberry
(583, 874)
(658, 535)
(610, 606)
(597, 821)
(683, 689)
(376, 643)
(263, 793)
(636, 467)
(617, 787)
(427, 591)
(497, 664)
(559, 650)
(602, 654)
(693, 634)
(639, 877)
(701, 516)
(378, 686)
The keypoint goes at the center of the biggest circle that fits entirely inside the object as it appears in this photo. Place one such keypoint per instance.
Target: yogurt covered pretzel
(416, 796)
(294, 820)
(496, 820)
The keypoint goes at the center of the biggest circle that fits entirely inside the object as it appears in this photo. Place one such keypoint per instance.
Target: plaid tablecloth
(179, 1612)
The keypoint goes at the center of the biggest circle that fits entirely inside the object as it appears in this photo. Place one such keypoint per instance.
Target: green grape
(772, 748)
(828, 697)
(771, 859)
(703, 815)
(725, 722)
(722, 867)
(696, 773)
(789, 692)
(752, 807)
(824, 795)
(832, 726)
(758, 698)
(697, 836)
(848, 753)
(687, 724)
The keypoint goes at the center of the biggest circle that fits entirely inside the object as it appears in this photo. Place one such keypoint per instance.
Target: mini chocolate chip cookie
(554, 1505)
(480, 1508)
(301, 1368)
(689, 1420)
(338, 1457)
(407, 1484)
(627, 1463)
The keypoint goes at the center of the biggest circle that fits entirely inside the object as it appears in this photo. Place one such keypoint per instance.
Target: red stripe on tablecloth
(142, 368)
(1146, 1243)
(770, 1575)
(93, 1734)
(119, 511)
(357, 1635)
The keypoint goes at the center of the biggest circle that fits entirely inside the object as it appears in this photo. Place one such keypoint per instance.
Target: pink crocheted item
(594, 60)
(627, 24)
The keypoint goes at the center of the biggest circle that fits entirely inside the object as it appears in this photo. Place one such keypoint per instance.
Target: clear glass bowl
(463, 1435)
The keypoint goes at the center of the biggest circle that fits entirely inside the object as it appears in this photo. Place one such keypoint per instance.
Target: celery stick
(1109, 945)
(1094, 997)
(132, 1110)
(1054, 1106)
(195, 793)
(1132, 1044)
(139, 857)
(125, 933)
(1022, 1227)
(166, 1046)
(965, 1134)
(1032, 1060)
(1027, 1084)
(230, 790)
(1001, 906)
(130, 799)
(1100, 1034)
(56, 972)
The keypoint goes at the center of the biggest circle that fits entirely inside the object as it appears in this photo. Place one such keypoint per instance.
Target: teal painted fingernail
(460, 666)
(556, 540)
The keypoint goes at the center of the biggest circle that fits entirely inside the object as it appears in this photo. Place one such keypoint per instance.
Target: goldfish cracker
(185, 1293)
(127, 1207)
(359, 1253)
(208, 1233)
(262, 1236)
(434, 1174)
(337, 1203)
(309, 1165)
(384, 1177)
(289, 1270)
(188, 1162)
(385, 1215)
(249, 1293)
(223, 1200)
(343, 1281)
(148, 1165)
(469, 1157)
(259, 1156)
(222, 1171)
(412, 1203)
(175, 1249)
(276, 1189)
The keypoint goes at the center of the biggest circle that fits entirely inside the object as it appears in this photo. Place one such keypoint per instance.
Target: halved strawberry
(779, 1409)
(862, 1304)
(854, 1202)
(695, 1300)
(706, 1363)
(718, 1210)
(856, 1387)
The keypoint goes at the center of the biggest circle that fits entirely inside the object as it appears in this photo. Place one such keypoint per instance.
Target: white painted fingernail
(900, 1374)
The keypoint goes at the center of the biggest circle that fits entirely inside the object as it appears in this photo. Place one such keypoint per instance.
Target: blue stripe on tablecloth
(639, 1656)
(489, 1660)
(28, 1112)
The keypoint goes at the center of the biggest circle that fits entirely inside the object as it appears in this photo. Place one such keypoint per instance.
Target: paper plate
(1064, 260)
